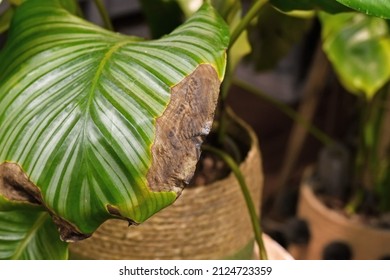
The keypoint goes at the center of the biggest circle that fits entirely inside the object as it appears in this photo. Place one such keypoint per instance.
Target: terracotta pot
(205, 222)
(327, 226)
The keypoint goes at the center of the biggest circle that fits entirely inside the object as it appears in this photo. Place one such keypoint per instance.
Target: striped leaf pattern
(378, 8)
(78, 107)
(27, 235)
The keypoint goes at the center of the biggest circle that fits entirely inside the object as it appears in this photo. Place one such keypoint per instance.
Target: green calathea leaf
(30, 234)
(379, 8)
(96, 125)
(359, 48)
(70, 5)
(231, 11)
(274, 35)
(329, 6)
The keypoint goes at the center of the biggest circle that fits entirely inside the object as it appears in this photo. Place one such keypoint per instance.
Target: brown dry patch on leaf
(68, 232)
(115, 212)
(16, 186)
(181, 129)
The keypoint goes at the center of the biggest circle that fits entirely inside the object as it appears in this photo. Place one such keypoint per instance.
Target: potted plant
(357, 47)
(78, 172)
(100, 126)
(103, 94)
(194, 230)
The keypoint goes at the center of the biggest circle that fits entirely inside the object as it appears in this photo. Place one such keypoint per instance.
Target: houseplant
(358, 48)
(18, 191)
(200, 213)
(113, 211)
(7, 205)
(47, 48)
(365, 194)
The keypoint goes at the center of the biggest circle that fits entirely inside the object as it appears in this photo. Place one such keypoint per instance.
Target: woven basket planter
(206, 222)
(327, 225)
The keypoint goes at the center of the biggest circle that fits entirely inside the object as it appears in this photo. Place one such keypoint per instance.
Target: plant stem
(247, 196)
(383, 173)
(238, 30)
(245, 21)
(373, 151)
(287, 110)
(104, 14)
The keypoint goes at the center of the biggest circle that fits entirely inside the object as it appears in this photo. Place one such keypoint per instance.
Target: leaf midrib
(94, 84)
(29, 235)
(99, 71)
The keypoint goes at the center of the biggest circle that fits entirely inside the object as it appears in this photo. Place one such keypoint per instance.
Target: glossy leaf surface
(359, 48)
(379, 8)
(79, 104)
(26, 235)
(231, 11)
(330, 6)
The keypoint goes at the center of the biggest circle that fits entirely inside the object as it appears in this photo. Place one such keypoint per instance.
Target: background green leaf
(274, 35)
(78, 107)
(231, 11)
(162, 16)
(359, 48)
(30, 235)
(330, 6)
(379, 8)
